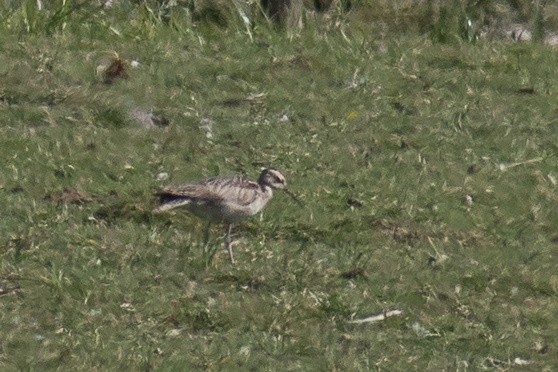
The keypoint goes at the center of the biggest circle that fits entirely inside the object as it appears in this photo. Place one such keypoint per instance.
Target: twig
(377, 318)
(503, 166)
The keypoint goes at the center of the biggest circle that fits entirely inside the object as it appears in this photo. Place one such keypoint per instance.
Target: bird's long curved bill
(294, 197)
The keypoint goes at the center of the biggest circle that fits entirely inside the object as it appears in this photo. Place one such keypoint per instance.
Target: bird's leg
(206, 234)
(206, 248)
(228, 242)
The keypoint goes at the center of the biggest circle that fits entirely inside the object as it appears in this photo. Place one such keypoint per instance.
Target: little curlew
(224, 200)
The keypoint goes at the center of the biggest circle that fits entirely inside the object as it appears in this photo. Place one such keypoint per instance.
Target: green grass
(406, 127)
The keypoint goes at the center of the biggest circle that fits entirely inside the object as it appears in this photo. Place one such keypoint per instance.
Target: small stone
(162, 176)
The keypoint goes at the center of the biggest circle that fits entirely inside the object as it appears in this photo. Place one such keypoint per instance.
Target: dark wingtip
(165, 197)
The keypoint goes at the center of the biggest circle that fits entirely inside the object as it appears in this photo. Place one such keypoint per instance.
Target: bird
(227, 200)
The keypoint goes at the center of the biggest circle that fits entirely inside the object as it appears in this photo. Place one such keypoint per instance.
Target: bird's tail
(163, 208)
(169, 202)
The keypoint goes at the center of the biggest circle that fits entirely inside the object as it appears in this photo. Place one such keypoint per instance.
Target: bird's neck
(267, 190)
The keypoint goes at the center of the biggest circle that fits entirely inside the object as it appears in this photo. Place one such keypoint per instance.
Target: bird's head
(273, 178)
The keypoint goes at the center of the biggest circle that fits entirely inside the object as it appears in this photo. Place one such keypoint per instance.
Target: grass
(382, 139)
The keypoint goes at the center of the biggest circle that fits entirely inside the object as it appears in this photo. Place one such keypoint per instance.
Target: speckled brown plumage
(223, 200)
